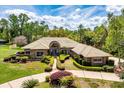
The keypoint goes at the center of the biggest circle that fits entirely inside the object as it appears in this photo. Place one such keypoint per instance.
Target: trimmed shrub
(62, 61)
(7, 59)
(45, 59)
(110, 62)
(63, 57)
(48, 69)
(30, 83)
(60, 66)
(51, 61)
(87, 67)
(22, 59)
(55, 77)
(13, 57)
(47, 79)
(108, 68)
(13, 61)
(85, 63)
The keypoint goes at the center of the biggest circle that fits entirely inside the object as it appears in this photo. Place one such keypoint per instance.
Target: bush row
(15, 59)
(63, 57)
(104, 68)
(48, 60)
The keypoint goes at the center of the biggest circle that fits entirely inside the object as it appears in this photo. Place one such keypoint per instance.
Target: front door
(54, 52)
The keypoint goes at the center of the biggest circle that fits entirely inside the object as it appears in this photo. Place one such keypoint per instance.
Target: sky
(66, 16)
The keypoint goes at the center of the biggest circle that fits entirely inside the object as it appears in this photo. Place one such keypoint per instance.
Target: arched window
(54, 44)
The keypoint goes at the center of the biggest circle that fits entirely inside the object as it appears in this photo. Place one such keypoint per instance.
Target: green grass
(11, 71)
(68, 64)
(89, 83)
(43, 85)
(63, 56)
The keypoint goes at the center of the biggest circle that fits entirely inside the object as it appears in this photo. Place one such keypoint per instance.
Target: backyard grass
(11, 71)
(89, 83)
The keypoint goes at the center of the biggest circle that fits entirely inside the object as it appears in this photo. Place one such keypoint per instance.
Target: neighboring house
(2, 41)
(53, 46)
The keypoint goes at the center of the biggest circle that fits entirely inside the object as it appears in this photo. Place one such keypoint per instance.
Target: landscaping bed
(63, 57)
(49, 60)
(88, 83)
(105, 68)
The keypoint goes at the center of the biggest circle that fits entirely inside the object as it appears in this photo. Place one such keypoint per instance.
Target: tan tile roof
(44, 42)
(81, 49)
(89, 51)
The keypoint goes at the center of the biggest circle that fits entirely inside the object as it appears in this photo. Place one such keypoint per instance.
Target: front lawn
(68, 64)
(11, 71)
(89, 83)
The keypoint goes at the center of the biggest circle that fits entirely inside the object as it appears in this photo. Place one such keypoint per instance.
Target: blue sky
(64, 16)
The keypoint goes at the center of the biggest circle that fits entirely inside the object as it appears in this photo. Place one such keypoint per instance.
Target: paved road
(79, 73)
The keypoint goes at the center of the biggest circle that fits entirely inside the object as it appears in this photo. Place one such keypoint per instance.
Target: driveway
(116, 60)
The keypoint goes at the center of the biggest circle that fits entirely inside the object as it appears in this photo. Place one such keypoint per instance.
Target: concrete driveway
(116, 60)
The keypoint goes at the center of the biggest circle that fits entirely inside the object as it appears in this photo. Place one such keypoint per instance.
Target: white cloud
(71, 20)
(115, 9)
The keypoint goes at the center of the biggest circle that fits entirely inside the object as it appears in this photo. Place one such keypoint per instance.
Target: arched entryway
(54, 47)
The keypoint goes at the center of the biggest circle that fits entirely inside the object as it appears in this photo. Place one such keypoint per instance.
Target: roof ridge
(43, 44)
(89, 49)
(83, 49)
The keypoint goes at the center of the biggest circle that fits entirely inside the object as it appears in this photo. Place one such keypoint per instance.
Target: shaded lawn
(11, 71)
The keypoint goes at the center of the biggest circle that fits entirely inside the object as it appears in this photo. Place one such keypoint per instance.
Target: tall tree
(23, 19)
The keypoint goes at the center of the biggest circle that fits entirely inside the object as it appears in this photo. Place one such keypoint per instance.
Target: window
(88, 59)
(27, 52)
(39, 53)
(97, 60)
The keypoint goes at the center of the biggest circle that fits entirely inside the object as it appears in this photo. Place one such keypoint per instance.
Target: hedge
(87, 67)
(48, 60)
(51, 61)
(63, 57)
(48, 69)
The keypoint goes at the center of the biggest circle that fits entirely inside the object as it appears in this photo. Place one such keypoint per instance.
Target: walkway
(79, 73)
(54, 65)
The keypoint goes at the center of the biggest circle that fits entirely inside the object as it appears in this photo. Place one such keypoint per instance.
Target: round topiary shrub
(7, 59)
(48, 69)
(60, 67)
(55, 77)
(13, 61)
